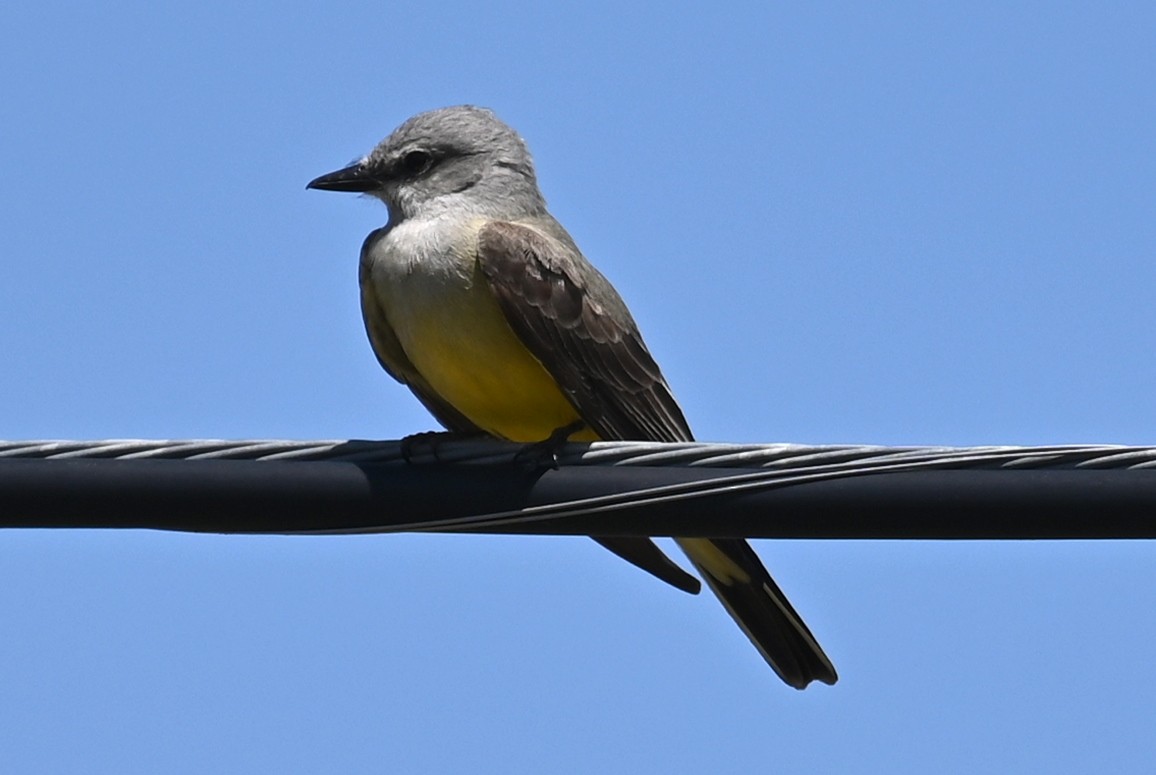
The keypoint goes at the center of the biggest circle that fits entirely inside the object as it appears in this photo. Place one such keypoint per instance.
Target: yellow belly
(462, 345)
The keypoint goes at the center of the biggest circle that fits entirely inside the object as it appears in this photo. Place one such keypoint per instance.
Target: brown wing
(576, 325)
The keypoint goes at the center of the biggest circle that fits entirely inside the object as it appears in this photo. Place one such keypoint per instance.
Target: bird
(480, 302)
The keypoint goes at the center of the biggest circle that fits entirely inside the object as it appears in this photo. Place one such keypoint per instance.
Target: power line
(614, 488)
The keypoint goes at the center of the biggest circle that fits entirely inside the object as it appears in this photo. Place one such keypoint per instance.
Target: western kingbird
(476, 299)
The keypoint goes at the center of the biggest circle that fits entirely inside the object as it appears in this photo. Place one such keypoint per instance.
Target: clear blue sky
(835, 224)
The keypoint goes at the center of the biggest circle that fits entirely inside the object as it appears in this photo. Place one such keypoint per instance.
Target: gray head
(461, 158)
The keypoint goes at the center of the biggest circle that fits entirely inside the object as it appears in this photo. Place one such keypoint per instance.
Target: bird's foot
(426, 443)
(544, 454)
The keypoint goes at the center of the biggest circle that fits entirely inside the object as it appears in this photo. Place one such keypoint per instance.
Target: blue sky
(900, 225)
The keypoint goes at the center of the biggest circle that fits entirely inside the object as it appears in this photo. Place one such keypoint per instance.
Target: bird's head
(461, 158)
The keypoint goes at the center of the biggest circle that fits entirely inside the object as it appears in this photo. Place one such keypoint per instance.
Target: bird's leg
(544, 454)
(429, 441)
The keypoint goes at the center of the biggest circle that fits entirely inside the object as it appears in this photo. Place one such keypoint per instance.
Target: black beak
(356, 178)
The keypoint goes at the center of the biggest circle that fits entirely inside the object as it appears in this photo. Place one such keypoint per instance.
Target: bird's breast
(427, 281)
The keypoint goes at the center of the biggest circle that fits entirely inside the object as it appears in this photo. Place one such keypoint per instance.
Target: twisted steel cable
(638, 453)
(437, 483)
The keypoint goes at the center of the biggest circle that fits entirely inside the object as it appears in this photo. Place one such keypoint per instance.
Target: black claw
(544, 454)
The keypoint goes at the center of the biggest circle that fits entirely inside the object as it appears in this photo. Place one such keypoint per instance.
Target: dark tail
(733, 570)
(643, 553)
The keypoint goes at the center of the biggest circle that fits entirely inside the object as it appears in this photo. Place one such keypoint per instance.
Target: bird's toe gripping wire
(544, 454)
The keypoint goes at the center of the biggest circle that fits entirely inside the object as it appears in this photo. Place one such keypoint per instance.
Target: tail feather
(737, 576)
(644, 553)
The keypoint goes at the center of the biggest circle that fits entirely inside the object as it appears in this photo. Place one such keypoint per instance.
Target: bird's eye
(415, 163)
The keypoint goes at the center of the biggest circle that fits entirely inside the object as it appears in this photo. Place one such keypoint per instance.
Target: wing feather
(577, 326)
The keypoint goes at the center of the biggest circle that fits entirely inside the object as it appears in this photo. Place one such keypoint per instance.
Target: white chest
(419, 251)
